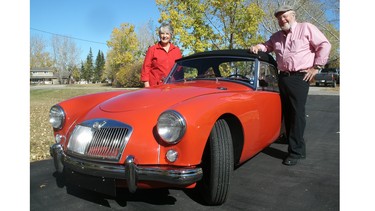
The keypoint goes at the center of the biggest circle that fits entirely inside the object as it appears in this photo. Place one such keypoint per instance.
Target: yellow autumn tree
(122, 54)
(212, 24)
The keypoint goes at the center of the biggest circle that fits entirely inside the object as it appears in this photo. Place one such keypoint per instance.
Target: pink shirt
(301, 48)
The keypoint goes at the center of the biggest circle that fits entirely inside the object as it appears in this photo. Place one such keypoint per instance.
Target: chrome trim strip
(130, 171)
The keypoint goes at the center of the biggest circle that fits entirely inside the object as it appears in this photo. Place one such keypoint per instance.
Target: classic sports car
(214, 111)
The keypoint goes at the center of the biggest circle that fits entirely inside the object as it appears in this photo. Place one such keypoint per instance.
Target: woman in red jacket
(160, 58)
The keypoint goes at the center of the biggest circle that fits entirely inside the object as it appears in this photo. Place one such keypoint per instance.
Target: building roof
(41, 69)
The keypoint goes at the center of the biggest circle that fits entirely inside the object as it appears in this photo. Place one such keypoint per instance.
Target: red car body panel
(220, 108)
(256, 110)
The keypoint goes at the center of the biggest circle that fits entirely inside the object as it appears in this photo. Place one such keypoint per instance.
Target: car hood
(167, 95)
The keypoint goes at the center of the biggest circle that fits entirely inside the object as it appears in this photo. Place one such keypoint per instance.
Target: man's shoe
(289, 161)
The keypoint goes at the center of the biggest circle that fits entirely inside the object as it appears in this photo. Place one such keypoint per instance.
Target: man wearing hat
(301, 51)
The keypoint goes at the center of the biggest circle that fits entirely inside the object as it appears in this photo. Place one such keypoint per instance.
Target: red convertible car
(214, 111)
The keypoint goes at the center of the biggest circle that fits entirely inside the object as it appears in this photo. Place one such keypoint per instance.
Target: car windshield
(214, 68)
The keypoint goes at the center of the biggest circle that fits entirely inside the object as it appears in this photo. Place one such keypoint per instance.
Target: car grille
(99, 139)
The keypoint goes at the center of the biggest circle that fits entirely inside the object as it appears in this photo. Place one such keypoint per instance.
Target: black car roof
(234, 52)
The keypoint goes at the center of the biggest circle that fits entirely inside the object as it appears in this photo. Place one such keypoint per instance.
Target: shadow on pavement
(150, 196)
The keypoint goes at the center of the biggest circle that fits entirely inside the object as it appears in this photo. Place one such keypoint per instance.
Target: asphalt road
(262, 183)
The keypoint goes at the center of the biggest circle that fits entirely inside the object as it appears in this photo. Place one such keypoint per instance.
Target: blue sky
(89, 22)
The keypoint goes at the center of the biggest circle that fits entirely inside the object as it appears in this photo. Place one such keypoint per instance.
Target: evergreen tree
(83, 71)
(99, 66)
(103, 67)
(89, 67)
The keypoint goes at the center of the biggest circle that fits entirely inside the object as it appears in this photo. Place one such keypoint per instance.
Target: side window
(267, 79)
(183, 73)
(190, 72)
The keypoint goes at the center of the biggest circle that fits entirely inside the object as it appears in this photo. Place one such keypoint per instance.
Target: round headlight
(56, 116)
(171, 126)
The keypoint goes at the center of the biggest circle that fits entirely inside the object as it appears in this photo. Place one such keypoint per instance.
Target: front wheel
(217, 165)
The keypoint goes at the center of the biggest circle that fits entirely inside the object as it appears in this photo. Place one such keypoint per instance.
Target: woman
(160, 58)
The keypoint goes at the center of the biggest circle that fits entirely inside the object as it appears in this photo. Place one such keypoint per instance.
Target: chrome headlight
(171, 126)
(56, 117)
(80, 139)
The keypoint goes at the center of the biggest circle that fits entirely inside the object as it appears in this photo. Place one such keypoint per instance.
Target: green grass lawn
(41, 100)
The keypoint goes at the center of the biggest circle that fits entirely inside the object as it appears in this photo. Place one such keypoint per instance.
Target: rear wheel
(217, 165)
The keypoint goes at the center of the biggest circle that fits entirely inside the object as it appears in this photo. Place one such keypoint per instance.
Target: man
(301, 51)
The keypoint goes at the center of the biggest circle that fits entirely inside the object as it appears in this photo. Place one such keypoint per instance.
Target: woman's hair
(166, 26)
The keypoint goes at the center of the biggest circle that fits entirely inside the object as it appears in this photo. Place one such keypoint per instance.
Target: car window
(238, 69)
(243, 68)
(267, 79)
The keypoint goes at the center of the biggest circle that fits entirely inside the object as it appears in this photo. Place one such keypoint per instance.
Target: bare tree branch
(322, 25)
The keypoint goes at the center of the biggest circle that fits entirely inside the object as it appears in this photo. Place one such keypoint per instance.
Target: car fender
(247, 108)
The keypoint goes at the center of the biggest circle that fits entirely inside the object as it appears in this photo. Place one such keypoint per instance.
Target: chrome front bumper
(129, 171)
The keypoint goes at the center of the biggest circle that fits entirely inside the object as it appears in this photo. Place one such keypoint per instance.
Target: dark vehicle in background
(328, 77)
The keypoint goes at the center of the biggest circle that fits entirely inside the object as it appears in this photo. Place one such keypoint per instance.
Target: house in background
(45, 76)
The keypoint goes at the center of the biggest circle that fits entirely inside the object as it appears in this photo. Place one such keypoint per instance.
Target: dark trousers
(293, 93)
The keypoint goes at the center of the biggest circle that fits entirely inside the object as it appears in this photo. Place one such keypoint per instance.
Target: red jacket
(158, 63)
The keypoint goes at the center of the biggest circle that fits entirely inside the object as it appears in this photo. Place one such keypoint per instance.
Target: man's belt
(290, 73)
